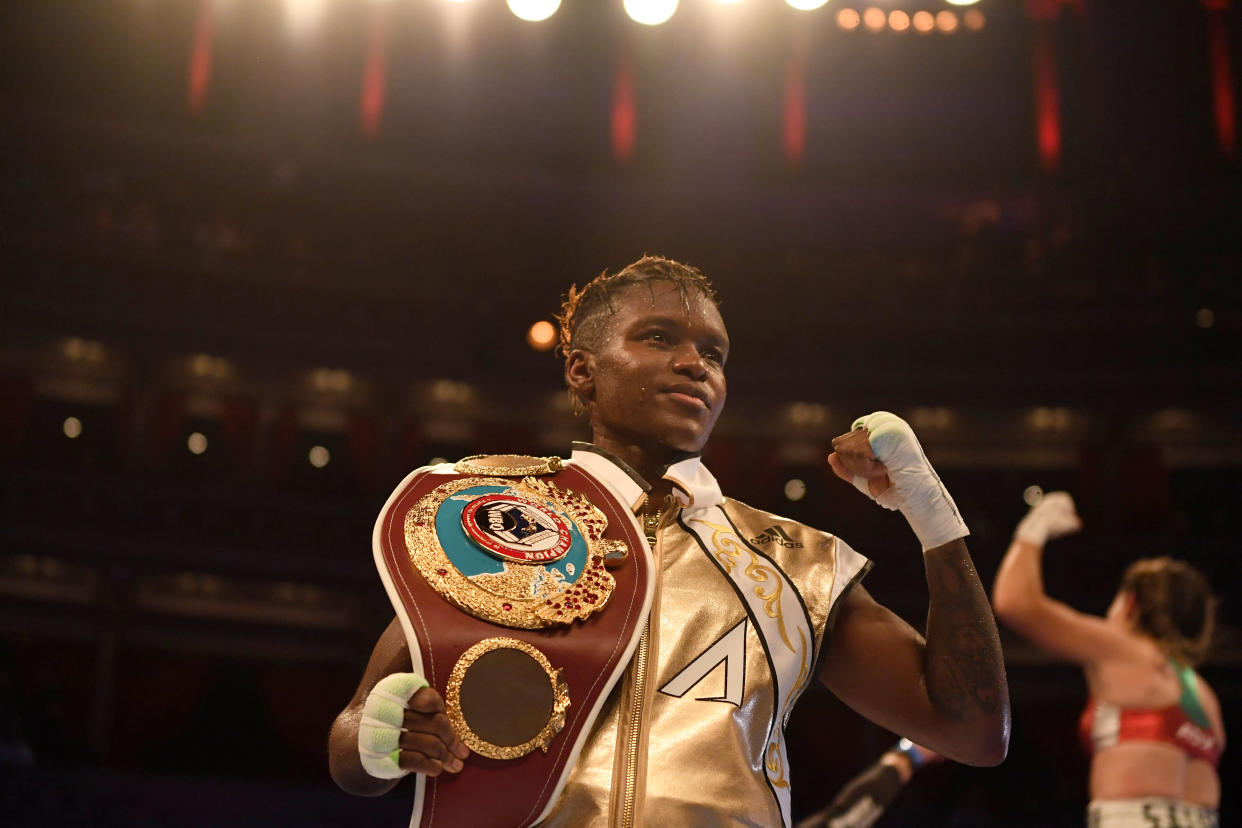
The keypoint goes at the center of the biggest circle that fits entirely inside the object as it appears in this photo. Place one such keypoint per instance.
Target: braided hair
(584, 312)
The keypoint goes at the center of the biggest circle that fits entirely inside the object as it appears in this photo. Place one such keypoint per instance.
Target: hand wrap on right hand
(1052, 517)
(916, 491)
(383, 722)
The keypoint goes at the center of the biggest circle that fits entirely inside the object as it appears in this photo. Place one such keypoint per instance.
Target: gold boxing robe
(693, 734)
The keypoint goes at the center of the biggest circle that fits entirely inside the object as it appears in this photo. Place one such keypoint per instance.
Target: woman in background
(1153, 726)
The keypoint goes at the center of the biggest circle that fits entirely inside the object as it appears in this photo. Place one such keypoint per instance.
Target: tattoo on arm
(964, 666)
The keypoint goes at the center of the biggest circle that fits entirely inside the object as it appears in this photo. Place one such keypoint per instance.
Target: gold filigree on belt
(520, 553)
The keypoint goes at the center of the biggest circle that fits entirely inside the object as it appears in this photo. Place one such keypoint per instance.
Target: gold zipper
(634, 731)
(638, 685)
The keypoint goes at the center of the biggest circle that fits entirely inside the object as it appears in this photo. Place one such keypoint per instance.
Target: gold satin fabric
(705, 757)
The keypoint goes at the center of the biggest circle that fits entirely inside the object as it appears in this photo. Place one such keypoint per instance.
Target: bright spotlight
(807, 5)
(541, 336)
(72, 428)
(848, 19)
(874, 19)
(650, 12)
(961, 2)
(303, 15)
(197, 443)
(946, 21)
(898, 21)
(974, 20)
(923, 22)
(534, 10)
(319, 456)
(795, 489)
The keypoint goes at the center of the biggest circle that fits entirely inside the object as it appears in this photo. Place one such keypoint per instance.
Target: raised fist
(884, 460)
(1052, 517)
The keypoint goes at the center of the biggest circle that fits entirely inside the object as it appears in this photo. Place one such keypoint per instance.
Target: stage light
(974, 20)
(196, 443)
(319, 456)
(207, 367)
(1050, 419)
(848, 19)
(541, 336)
(795, 489)
(874, 19)
(331, 380)
(1204, 318)
(72, 428)
(650, 12)
(451, 392)
(923, 22)
(807, 5)
(808, 415)
(1174, 419)
(946, 21)
(534, 10)
(931, 417)
(82, 350)
(898, 21)
(961, 2)
(303, 15)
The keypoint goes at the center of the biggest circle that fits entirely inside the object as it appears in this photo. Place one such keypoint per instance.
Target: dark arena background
(262, 258)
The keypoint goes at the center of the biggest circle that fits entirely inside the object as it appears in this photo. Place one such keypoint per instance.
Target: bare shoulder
(1132, 672)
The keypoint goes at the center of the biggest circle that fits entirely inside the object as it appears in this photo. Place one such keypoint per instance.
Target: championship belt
(522, 585)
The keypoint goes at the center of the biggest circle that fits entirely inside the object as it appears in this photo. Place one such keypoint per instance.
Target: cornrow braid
(583, 311)
(1174, 605)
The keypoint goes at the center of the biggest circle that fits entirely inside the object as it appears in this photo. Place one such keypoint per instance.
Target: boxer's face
(656, 379)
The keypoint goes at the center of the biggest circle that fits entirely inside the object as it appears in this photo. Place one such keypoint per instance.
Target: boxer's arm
(429, 746)
(948, 691)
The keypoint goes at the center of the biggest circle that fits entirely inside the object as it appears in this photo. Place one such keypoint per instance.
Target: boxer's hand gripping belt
(383, 722)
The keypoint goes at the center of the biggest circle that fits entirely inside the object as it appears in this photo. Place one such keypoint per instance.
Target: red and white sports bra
(1184, 725)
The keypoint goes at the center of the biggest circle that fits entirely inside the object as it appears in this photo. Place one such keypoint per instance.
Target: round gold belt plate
(504, 698)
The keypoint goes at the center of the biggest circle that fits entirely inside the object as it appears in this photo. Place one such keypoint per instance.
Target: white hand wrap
(383, 722)
(1052, 517)
(916, 491)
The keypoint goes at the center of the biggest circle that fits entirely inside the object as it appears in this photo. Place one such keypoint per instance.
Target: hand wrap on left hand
(383, 719)
(916, 491)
